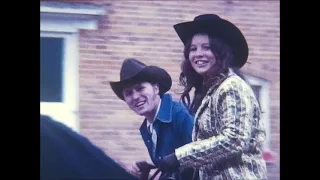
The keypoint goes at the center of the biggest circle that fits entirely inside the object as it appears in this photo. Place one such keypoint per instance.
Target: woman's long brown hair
(190, 79)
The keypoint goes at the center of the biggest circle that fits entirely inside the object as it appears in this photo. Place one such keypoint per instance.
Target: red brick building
(83, 44)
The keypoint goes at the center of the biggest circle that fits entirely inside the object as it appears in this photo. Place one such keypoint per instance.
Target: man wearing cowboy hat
(167, 124)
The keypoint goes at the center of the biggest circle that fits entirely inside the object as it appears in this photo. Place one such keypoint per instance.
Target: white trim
(66, 25)
(69, 17)
(264, 102)
(71, 8)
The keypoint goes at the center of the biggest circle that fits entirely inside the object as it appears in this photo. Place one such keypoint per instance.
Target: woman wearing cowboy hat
(167, 124)
(228, 131)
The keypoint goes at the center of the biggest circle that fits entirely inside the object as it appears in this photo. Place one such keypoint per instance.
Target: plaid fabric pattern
(227, 135)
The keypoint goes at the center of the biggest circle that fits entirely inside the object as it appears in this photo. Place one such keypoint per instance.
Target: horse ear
(44, 117)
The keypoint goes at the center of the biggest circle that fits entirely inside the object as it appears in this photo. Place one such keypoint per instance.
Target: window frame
(63, 20)
(70, 82)
(264, 103)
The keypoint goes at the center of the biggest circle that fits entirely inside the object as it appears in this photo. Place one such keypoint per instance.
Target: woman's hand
(169, 163)
(141, 169)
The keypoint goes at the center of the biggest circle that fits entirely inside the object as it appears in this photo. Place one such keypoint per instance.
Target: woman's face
(201, 57)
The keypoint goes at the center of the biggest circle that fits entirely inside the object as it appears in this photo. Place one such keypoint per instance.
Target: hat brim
(221, 29)
(147, 74)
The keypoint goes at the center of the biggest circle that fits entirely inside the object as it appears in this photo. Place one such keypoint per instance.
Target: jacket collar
(221, 77)
(165, 112)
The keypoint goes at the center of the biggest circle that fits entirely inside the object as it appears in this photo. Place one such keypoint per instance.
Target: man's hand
(141, 169)
(169, 163)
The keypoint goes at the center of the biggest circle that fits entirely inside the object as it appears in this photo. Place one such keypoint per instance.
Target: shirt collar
(155, 117)
(164, 111)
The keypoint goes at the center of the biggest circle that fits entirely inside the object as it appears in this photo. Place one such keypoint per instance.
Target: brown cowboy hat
(219, 28)
(134, 71)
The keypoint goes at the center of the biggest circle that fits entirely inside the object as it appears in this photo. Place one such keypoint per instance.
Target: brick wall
(143, 29)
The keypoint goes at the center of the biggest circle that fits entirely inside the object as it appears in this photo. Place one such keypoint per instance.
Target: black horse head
(65, 154)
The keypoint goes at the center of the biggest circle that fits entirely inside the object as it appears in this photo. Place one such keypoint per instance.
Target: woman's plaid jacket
(228, 134)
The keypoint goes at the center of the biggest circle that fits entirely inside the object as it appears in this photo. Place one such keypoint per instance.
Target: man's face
(142, 98)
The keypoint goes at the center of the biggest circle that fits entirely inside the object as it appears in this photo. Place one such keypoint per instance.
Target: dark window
(256, 90)
(51, 68)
